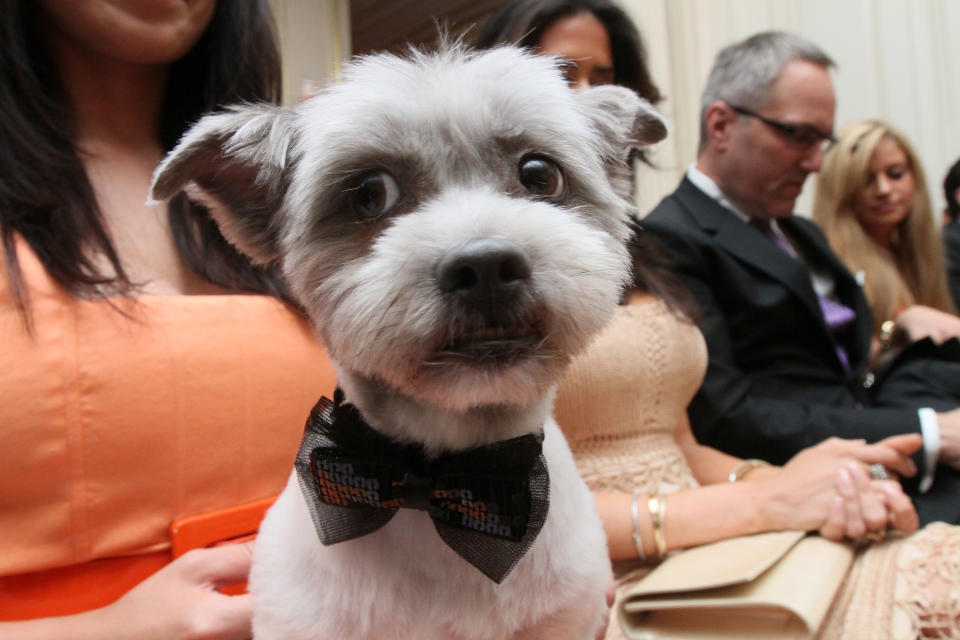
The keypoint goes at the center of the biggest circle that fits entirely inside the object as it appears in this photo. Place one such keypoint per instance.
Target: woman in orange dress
(150, 375)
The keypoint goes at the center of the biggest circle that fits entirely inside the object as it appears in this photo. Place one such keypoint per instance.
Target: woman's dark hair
(654, 273)
(951, 182)
(522, 22)
(45, 195)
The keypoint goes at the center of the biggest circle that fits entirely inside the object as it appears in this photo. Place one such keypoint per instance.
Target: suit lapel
(750, 245)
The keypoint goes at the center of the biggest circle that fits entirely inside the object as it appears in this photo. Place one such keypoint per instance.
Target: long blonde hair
(912, 271)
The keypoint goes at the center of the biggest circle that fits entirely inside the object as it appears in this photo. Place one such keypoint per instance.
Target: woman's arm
(179, 602)
(693, 517)
(709, 465)
(825, 488)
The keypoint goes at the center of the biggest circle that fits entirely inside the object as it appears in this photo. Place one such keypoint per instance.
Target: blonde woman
(873, 205)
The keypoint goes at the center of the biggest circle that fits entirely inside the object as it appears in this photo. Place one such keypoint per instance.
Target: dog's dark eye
(541, 177)
(375, 194)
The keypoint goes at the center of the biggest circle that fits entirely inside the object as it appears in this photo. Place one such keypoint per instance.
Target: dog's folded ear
(235, 163)
(624, 123)
(624, 120)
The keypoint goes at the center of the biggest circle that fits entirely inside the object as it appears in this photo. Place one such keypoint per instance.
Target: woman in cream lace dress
(623, 409)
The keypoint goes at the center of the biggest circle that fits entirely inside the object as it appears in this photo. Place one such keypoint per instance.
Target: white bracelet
(635, 512)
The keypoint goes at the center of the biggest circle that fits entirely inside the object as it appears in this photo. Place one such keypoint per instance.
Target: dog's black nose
(484, 270)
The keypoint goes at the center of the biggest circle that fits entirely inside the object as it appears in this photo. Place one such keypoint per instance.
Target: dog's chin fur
(425, 361)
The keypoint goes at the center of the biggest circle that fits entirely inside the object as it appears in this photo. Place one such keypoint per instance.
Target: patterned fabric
(902, 589)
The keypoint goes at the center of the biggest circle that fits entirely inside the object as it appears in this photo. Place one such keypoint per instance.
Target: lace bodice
(621, 400)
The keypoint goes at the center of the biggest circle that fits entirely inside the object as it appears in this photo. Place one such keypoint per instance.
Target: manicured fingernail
(888, 488)
(845, 481)
(858, 475)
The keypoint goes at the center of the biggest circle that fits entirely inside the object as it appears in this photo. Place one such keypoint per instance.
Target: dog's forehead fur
(452, 114)
(456, 93)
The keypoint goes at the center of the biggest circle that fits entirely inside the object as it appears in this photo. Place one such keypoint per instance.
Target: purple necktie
(836, 315)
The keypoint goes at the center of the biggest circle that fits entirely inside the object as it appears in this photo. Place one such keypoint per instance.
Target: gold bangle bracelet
(635, 514)
(886, 334)
(744, 468)
(657, 504)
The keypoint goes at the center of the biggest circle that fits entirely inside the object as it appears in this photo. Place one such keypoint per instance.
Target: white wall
(314, 41)
(898, 60)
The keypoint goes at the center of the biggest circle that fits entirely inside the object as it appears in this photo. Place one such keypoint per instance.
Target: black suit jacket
(774, 383)
(951, 241)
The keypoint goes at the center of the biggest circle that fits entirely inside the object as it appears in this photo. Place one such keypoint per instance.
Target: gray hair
(744, 71)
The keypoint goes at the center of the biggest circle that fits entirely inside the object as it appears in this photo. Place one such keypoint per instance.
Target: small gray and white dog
(451, 223)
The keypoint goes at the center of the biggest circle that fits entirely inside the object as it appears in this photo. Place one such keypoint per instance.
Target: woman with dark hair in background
(545, 25)
(596, 39)
(150, 373)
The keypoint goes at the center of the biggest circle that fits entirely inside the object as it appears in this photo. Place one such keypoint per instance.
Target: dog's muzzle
(488, 282)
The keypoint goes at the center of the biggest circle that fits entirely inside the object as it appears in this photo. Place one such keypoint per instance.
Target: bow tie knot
(417, 491)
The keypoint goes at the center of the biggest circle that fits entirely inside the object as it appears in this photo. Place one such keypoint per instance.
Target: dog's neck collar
(487, 503)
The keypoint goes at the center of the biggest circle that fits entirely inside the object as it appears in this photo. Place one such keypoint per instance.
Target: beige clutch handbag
(767, 586)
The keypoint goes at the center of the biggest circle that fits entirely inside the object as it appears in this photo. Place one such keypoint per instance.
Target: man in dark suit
(788, 329)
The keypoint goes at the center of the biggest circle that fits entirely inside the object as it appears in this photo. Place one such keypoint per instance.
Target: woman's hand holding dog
(828, 488)
(179, 602)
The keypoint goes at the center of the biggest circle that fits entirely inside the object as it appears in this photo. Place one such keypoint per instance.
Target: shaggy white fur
(362, 195)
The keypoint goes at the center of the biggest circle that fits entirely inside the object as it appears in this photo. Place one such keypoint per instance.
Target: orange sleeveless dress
(119, 418)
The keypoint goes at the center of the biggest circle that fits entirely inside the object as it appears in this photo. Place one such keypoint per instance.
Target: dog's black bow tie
(488, 504)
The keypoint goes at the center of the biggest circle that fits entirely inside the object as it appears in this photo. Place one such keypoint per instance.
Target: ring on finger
(871, 537)
(879, 472)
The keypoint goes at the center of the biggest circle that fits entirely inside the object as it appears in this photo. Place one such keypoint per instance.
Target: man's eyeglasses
(803, 136)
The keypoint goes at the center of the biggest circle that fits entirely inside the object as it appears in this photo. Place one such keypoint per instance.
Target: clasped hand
(828, 488)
